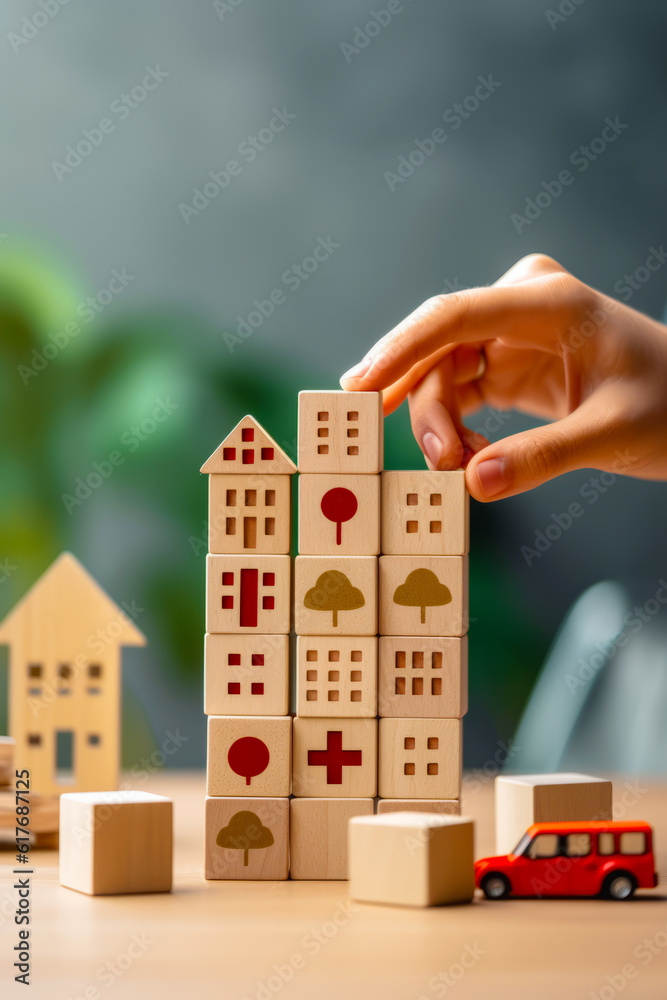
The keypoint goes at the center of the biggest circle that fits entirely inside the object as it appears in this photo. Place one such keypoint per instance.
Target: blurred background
(167, 166)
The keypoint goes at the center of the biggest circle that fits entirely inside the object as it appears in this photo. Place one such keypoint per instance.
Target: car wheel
(496, 886)
(619, 885)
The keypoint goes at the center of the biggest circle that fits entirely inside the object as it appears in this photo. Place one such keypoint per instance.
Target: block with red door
(247, 594)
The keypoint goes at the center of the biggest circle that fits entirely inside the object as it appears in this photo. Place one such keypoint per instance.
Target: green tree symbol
(423, 590)
(244, 832)
(333, 592)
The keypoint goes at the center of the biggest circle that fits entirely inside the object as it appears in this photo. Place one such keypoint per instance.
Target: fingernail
(493, 477)
(432, 448)
(358, 371)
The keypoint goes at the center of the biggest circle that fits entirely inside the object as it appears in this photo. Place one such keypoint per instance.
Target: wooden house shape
(65, 637)
(249, 493)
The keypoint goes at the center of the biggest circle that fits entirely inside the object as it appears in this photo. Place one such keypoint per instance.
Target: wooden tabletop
(260, 940)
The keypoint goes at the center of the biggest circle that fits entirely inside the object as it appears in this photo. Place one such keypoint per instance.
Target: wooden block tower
(246, 657)
(335, 613)
(423, 652)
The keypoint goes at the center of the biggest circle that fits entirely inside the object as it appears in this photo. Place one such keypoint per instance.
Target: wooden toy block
(249, 514)
(336, 676)
(340, 432)
(246, 674)
(411, 859)
(249, 756)
(523, 799)
(115, 842)
(318, 836)
(335, 758)
(335, 595)
(248, 594)
(44, 814)
(423, 595)
(425, 513)
(444, 807)
(422, 678)
(66, 637)
(7, 748)
(339, 515)
(247, 838)
(248, 448)
(420, 758)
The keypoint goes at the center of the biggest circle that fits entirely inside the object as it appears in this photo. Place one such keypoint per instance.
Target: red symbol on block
(248, 757)
(249, 585)
(334, 758)
(338, 505)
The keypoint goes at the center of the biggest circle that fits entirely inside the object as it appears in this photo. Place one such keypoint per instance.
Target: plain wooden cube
(318, 836)
(340, 432)
(249, 756)
(249, 514)
(444, 807)
(248, 594)
(411, 859)
(115, 842)
(247, 838)
(339, 515)
(335, 758)
(423, 595)
(335, 595)
(420, 758)
(422, 678)
(425, 513)
(336, 676)
(524, 799)
(246, 674)
(7, 751)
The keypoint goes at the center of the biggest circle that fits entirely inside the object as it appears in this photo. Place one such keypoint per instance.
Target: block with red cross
(334, 758)
(248, 594)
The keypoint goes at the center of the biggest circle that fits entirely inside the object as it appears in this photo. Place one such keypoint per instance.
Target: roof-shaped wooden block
(67, 601)
(246, 449)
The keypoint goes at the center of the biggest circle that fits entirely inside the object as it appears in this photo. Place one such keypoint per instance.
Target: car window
(577, 845)
(633, 842)
(606, 844)
(521, 846)
(544, 845)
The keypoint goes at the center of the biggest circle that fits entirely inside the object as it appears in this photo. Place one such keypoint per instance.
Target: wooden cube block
(423, 595)
(444, 807)
(425, 513)
(335, 595)
(335, 758)
(7, 750)
(422, 678)
(115, 842)
(248, 756)
(249, 514)
(247, 838)
(339, 515)
(318, 836)
(336, 676)
(246, 674)
(420, 758)
(411, 859)
(340, 432)
(523, 799)
(248, 594)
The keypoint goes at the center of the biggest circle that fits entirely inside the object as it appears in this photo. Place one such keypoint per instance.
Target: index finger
(531, 314)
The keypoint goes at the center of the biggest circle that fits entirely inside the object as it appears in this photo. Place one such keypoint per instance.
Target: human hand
(539, 341)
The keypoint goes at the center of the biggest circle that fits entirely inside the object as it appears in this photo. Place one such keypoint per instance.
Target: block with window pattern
(248, 594)
(340, 432)
(249, 514)
(425, 512)
(246, 674)
(248, 448)
(424, 678)
(419, 758)
(336, 676)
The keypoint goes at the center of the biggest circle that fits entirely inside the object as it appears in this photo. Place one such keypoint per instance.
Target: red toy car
(573, 859)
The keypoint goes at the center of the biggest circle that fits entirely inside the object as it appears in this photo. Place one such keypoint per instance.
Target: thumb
(526, 460)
